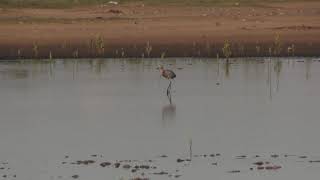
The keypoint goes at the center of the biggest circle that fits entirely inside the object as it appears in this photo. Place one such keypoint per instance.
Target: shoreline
(158, 51)
(134, 31)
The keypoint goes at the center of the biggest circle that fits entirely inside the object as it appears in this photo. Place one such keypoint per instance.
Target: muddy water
(53, 114)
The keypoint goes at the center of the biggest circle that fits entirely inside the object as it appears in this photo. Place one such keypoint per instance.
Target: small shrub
(226, 50)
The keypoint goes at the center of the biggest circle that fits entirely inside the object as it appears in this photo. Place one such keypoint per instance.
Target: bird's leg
(169, 89)
(174, 82)
(169, 97)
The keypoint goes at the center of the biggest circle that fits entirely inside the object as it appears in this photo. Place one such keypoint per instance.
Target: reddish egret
(168, 74)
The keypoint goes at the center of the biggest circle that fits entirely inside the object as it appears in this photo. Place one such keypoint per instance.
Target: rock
(180, 160)
(117, 165)
(75, 176)
(260, 167)
(140, 178)
(104, 164)
(85, 162)
(161, 173)
(241, 157)
(272, 167)
(234, 171)
(144, 167)
(316, 161)
(163, 156)
(126, 166)
(259, 163)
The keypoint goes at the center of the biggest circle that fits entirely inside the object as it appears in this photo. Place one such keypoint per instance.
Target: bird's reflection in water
(168, 112)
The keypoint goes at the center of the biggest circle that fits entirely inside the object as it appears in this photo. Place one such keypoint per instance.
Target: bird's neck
(161, 71)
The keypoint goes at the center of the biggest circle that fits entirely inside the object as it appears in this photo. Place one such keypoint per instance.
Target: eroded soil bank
(136, 30)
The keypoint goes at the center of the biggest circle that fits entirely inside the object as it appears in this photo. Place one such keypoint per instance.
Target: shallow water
(118, 109)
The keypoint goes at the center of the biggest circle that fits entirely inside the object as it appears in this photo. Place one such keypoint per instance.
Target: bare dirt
(137, 30)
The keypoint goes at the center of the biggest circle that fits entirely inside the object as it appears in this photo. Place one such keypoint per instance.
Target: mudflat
(139, 30)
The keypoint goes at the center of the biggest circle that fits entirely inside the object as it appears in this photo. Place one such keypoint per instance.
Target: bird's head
(161, 69)
(160, 66)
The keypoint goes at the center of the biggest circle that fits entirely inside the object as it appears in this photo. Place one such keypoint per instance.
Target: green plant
(163, 54)
(50, 55)
(277, 45)
(190, 148)
(148, 49)
(258, 49)
(241, 48)
(208, 49)
(64, 45)
(99, 44)
(122, 52)
(75, 53)
(226, 50)
(35, 49)
(19, 53)
(270, 51)
(291, 50)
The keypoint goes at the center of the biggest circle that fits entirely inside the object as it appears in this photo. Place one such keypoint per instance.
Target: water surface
(118, 109)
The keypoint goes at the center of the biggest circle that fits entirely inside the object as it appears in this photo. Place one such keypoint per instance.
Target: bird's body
(168, 74)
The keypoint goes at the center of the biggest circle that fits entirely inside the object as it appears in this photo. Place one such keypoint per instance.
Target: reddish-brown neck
(161, 71)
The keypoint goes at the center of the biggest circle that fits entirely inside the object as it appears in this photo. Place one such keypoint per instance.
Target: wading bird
(168, 74)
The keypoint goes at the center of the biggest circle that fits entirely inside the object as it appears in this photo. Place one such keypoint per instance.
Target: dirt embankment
(153, 31)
